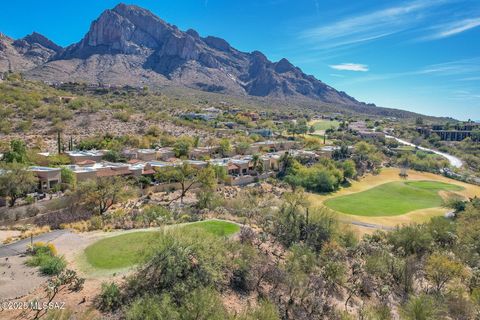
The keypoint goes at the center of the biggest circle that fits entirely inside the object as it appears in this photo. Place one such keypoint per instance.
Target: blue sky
(420, 55)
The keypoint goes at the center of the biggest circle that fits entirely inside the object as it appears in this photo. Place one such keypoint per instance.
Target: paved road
(21, 246)
(454, 161)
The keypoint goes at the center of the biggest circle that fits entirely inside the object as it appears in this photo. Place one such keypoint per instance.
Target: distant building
(199, 116)
(360, 127)
(78, 156)
(146, 154)
(457, 132)
(265, 133)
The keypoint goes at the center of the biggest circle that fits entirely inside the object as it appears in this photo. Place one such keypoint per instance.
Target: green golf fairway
(127, 250)
(325, 124)
(392, 199)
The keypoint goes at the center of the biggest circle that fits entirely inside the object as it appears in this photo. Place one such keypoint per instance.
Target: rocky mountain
(26, 53)
(129, 45)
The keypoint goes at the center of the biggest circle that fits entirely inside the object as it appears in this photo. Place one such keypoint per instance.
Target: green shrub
(44, 248)
(179, 263)
(45, 257)
(96, 223)
(122, 116)
(48, 264)
(153, 307)
(29, 199)
(110, 297)
(53, 265)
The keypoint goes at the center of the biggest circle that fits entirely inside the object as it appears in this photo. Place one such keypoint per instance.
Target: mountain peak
(36, 37)
(123, 8)
(284, 66)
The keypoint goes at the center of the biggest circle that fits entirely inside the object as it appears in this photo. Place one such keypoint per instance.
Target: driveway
(20, 247)
(454, 161)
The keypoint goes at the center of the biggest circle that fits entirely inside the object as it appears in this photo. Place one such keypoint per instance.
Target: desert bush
(154, 216)
(122, 116)
(53, 266)
(45, 257)
(95, 223)
(152, 307)
(110, 297)
(179, 263)
(43, 248)
(79, 226)
(34, 232)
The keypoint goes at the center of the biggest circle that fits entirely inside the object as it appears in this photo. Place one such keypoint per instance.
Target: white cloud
(350, 67)
(371, 25)
(458, 70)
(454, 28)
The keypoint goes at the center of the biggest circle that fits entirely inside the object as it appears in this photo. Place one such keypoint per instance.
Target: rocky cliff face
(130, 45)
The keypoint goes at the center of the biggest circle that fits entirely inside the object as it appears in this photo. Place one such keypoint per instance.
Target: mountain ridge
(129, 45)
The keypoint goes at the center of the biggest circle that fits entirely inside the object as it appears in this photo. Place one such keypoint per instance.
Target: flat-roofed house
(108, 169)
(78, 156)
(48, 178)
(147, 154)
(197, 164)
(272, 146)
(83, 173)
(129, 154)
(233, 170)
(244, 165)
(165, 153)
(202, 152)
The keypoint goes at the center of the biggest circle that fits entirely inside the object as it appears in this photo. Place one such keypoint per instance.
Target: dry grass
(34, 232)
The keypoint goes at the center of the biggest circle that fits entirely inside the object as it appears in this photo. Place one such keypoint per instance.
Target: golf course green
(128, 249)
(325, 124)
(392, 199)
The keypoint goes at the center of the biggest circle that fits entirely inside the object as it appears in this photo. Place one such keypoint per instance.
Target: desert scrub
(110, 297)
(34, 232)
(45, 257)
(122, 116)
(79, 226)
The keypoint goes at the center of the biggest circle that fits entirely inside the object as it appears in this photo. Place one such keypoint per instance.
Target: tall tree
(102, 193)
(440, 269)
(17, 152)
(224, 147)
(16, 181)
(187, 176)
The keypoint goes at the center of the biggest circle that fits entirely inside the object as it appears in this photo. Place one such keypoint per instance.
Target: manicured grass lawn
(128, 249)
(215, 227)
(391, 199)
(325, 124)
(120, 251)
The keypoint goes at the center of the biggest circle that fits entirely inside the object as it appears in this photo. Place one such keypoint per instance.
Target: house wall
(48, 179)
(244, 180)
(147, 156)
(86, 175)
